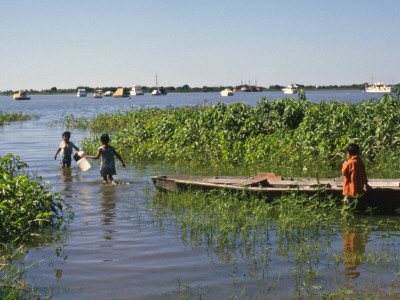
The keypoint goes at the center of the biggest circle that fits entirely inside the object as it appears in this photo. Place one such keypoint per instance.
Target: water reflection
(108, 205)
(66, 177)
(354, 242)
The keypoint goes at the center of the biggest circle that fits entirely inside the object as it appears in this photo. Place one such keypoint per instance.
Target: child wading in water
(107, 167)
(66, 150)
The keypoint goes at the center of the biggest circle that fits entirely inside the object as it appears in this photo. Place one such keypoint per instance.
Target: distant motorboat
(247, 88)
(81, 93)
(378, 87)
(121, 93)
(290, 89)
(136, 91)
(227, 92)
(98, 94)
(21, 95)
(108, 94)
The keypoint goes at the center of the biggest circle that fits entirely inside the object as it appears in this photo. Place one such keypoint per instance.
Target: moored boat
(121, 93)
(384, 194)
(98, 94)
(378, 87)
(108, 94)
(136, 91)
(159, 91)
(290, 89)
(227, 92)
(21, 95)
(247, 88)
(81, 93)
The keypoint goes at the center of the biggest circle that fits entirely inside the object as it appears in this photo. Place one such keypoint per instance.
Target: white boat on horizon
(378, 87)
(136, 91)
(81, 93)
(158, 91)
(290, 89)
(108, 94)
(227, 92)
(98, 94)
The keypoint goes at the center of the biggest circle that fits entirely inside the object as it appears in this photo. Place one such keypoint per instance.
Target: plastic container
(83, 164)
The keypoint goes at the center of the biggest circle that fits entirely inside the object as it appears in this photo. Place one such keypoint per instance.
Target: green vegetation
(26, 208)
(10, 117)
(249, 233)
(278, 135)
(25, 203)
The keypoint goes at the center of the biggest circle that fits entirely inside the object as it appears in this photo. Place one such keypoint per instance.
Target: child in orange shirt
(355, 177)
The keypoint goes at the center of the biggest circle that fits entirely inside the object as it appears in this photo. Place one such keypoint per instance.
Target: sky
(104, 43)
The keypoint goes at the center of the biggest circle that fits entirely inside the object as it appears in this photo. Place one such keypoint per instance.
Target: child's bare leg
(111, 178)
(105, 179)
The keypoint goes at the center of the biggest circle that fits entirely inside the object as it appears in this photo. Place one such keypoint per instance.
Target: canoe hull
(383, 197)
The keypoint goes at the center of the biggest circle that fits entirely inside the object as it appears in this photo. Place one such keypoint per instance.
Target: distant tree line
(187, 89)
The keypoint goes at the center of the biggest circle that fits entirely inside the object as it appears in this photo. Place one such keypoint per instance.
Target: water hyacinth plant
(26, 204)
(282, 132)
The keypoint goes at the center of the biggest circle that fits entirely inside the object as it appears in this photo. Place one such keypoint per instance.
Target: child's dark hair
(353, 149)
(66, 134)
(105, 139)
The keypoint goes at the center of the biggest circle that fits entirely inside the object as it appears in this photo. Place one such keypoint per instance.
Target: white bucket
(83, 164)
(81, 154)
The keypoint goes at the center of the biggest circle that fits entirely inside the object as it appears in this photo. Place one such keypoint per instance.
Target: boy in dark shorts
(65, 148)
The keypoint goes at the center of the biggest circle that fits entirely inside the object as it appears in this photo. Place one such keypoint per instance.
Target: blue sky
(47, 43)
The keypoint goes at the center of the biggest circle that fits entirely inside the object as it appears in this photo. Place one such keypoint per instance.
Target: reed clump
(5, 117)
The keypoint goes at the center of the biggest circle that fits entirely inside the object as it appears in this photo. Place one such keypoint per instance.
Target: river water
(113, 248)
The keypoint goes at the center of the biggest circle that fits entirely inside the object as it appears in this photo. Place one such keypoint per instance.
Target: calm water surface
(114, 248)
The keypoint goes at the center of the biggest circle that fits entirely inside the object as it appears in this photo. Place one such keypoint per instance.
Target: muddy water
(113, 247)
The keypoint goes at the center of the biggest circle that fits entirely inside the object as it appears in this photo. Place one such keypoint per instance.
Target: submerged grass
(231, 220)
(249, 232)
(5, 118)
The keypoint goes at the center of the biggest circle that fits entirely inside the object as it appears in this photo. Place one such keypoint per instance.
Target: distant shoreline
(187, 89)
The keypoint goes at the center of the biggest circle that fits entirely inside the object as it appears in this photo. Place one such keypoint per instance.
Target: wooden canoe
(384, 194)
